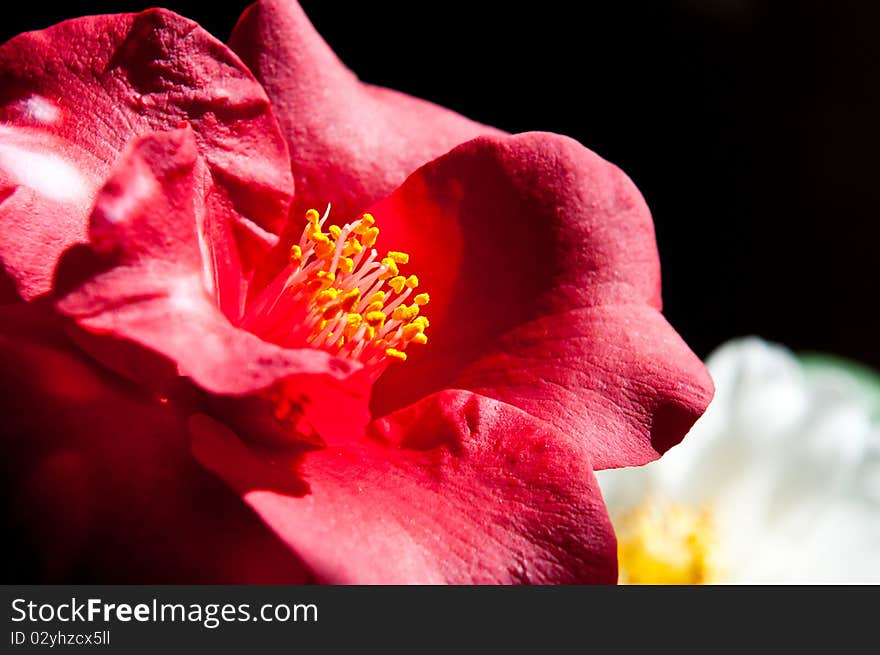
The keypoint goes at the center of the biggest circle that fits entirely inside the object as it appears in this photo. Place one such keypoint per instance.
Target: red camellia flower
(265, 323)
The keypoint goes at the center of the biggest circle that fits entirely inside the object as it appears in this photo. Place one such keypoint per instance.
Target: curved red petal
(544, 278)
(351, 143)
(150, 278)
(73, 95)
(617, 374)
(456, 489)
(100, 480)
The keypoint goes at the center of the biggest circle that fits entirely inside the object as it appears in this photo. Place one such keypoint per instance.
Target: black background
(751, 128)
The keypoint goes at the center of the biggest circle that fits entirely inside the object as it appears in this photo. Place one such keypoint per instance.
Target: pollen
(353, 322)
(369, 237)
(405, 314)
(376, 319)
(346, 264)
(396, 354)
(296, 255)
(351, 301)
(660, 542)
(391, 269)
(325, 296)
(398, 257)
(410, 330)
(397, 283)
(352, 247)
(367, 221)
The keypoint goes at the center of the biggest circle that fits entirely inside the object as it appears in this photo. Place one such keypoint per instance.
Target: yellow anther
(390, 268)
(312, 216)
(375, 319)
(423, 320)
(350, 299)
(314, 233)
(296, 255)
(325, 249)
(334, 231)
(367, 221)
(398, 257)
(405, 314)
(393, 353)
(370, 236)
(352, 323)
(397, 283)
(325, 296)
(379, 296)
(346, 264)
(410, 330)
(412, 282)
(374, 307)
(421, 338)
(341, 341)
(321, 325)
(326, 278)
(422, 299)
(352, 247)
(369, 333)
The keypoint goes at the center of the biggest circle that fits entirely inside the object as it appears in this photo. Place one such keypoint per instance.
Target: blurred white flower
(779, 482)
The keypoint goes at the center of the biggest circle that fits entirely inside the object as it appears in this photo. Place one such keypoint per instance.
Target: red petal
(545, 292)
(148, 279)
(73, 95)
(102, 486)
(47, 186)
(456, 489)
(351, 143)
(616, 374)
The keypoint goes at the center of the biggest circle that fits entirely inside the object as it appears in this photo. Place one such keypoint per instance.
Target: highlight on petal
(456, 489)
(42, 168)
(99, 480)
(351, 143)
(545, 294)
(149, 276)
(47, 186)
(73, 95)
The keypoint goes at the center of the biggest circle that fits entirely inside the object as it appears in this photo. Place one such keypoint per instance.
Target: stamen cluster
(355, 300)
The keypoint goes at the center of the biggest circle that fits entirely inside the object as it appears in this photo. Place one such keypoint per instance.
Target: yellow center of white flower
(660, 542)
(355, 300)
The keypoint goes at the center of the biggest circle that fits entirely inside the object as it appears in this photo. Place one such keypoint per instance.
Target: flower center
(339, 295)
(660, 542)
